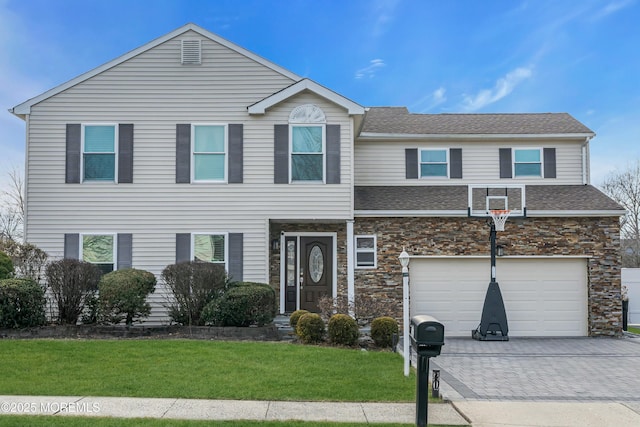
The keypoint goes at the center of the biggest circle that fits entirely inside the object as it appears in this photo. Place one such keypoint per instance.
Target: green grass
(633, 330)
(58, 421)
(201, 370)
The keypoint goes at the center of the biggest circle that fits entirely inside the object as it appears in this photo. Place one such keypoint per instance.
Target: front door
(316, 270)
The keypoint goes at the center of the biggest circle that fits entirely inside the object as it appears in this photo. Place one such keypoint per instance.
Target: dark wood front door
(316, 270)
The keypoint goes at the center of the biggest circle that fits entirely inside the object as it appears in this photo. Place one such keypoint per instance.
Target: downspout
(26, 178)
(585, 161)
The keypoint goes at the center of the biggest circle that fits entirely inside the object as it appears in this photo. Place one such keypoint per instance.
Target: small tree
(12, 207)
(193, 285)
(72, 283)
(123, 295)
(624, 188)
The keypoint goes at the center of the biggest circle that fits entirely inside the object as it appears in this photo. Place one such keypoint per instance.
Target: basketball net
(499, 217)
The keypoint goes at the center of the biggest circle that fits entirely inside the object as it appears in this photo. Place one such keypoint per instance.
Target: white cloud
(503, 87)
(612, 7)
(430, 101)
(383, 13)
(370, 70)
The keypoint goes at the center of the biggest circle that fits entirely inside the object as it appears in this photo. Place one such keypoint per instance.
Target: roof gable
(25, 108)
(260, 107)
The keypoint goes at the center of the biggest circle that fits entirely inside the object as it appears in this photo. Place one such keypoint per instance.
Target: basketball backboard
(486, 197)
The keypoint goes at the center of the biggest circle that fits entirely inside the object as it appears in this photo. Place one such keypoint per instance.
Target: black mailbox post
(427, 339)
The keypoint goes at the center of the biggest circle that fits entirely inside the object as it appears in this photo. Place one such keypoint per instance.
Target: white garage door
(542, 297)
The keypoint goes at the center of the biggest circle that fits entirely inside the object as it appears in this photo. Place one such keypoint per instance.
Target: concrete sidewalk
(125, 407)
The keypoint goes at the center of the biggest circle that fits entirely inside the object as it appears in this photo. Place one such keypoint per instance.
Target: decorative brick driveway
(576, 369)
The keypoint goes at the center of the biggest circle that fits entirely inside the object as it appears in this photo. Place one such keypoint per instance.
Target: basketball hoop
(499, 217)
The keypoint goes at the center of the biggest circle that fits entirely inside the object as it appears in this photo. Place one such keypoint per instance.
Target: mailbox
(427, 335)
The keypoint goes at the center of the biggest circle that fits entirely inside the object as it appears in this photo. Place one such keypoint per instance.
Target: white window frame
(212, 233)
(513, 164)
(115, 152)
(224, 180)
(324, 153)
(374, 250)
(447, 162)
(115, 246)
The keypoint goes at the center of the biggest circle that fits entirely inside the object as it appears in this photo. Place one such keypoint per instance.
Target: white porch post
(404, 261)
(350, 265)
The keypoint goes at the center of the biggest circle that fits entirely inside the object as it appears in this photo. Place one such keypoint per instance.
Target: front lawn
(633, 330)
(201, 370)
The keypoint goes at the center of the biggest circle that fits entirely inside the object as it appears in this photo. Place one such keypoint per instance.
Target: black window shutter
(281, 154)
(124, 251)
(73, 138)
(333, 154)
(183, 247)
(235, 256)
(183, 153)
(505, 163)
(72, 246)
(235, 153)
(125, 153)
(455, 163)
(411, 163)
(549, 162)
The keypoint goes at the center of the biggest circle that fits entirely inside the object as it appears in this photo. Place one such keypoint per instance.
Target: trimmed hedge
(343, 330)
(310, 328)
(382, 330)
(123, 295)
(22, 304)
(243, 304)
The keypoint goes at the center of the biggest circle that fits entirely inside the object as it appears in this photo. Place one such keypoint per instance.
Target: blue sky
(433, 56)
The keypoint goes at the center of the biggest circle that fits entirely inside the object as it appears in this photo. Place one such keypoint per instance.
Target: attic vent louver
(191, 50)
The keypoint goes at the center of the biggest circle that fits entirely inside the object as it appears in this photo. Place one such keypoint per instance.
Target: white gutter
(463, 213)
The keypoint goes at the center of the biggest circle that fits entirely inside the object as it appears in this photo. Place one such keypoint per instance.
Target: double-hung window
(307, 153)
(434, 163)
(209, 153)
(366, 251)
(527, 162)
(99, 153)
(210, 248)
(99, 249)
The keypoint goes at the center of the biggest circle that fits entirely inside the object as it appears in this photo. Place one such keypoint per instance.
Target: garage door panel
(543, 297)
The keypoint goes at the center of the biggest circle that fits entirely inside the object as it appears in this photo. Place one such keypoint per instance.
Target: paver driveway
(577, 369)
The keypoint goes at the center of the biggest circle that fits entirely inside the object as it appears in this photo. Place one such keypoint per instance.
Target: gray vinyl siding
(155, 93)
(384, 162)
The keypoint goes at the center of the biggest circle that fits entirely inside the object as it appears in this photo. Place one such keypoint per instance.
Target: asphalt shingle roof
(398, 120)
(454, 197)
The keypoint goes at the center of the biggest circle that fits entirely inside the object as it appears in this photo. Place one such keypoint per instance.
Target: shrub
(295, 316)
(193, 285)
(21, 303)
(243, 304)
(364, 307)
(6, 266)
(123, 295)
(28, 260)
(72, 283)
(382, 330)
(310, 328)
(343, 330)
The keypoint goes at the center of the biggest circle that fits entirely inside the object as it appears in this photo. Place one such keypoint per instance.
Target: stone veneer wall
(595, 237)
